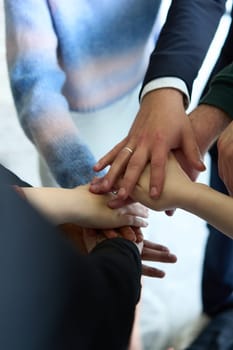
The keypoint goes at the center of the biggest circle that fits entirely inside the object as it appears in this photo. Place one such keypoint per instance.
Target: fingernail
(97, 165)
(143, 223)
(153, 192)
(202, 164)
(121, 193)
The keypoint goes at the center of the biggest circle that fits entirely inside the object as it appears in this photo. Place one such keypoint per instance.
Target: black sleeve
(51, 297)
(185, 39)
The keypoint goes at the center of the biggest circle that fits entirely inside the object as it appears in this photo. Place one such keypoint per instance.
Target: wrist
(195, 194)
(161, 95)
(208, 122)
(173, 83)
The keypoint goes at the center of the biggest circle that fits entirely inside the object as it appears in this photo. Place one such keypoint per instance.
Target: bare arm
(180, 192)
(86, 209)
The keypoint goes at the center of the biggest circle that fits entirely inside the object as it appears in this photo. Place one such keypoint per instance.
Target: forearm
(212, 206)
(62, 205)
(54, 203)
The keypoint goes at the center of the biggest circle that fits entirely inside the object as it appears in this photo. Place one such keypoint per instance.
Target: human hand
(207, 123)
(86, 239)
(80, 206)
(93, 237)
(177, 187)
(91, 210)
(225, 157)
(156, 253)
(131, 233)
(149, 251)
(161, 125)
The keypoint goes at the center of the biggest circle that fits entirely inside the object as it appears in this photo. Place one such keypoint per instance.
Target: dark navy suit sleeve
(53, 298)
(185, 39)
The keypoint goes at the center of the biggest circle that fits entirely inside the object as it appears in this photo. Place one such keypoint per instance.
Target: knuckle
(159, 136)
(157, 162)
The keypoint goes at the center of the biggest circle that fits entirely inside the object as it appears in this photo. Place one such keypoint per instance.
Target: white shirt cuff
(167, 82)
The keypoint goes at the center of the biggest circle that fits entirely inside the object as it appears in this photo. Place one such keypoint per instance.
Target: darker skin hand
(161, 125)
(86, 239)
(150, 252)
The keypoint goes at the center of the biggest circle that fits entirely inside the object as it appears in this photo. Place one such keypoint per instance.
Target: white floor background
(168, 305)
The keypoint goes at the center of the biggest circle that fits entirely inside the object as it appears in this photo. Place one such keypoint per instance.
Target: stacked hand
(161, 125)
(86, 239)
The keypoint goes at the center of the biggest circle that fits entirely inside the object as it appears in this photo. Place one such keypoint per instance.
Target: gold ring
(128, 149)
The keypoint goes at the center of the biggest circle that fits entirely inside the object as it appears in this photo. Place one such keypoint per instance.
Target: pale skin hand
(161, 125)
(225, 157)
(84, 208)
(180, 192)
(207, 123)
(176, 187)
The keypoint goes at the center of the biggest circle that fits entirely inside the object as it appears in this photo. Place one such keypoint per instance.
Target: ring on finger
(128, 149)
(114, 192)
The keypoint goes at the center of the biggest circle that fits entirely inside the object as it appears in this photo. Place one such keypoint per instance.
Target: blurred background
(16, 152)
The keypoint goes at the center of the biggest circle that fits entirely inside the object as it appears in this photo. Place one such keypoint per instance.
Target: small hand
(161, 125)
(86, 239)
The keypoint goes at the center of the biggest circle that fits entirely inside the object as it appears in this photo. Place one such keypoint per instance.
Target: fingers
(110, 233)
(152, 245)
(150, 271)
(136, 209)
(158, 166)
(118, 158)
(109, 157)
(124, 163)
(133, 215)
(135, 221)
(164, 257)
(160, 255)
(135, 166)
(138, 233)
(155, 252)
(128, 232)
(191, 149)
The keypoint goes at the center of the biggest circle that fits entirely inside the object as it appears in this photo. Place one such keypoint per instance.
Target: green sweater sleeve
(220, 93)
